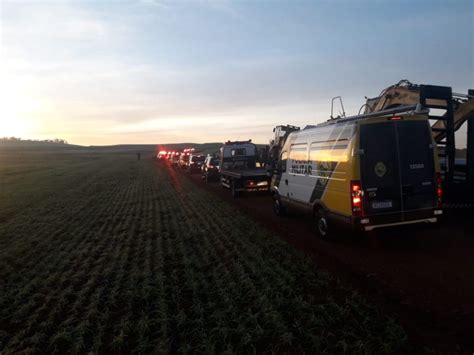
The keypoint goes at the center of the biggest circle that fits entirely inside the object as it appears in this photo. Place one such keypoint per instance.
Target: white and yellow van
(374, 172)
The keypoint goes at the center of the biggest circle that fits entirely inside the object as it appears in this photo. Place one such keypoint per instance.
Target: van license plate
(382, 204)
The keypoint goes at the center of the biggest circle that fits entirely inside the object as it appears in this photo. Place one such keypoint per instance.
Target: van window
(330, 151)
(299, 152)
(238, 152)
(299, 159)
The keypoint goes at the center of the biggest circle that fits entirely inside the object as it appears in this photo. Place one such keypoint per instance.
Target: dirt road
(423, 275)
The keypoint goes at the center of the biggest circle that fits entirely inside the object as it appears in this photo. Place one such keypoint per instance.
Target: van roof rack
(401, 109)
(238, 142)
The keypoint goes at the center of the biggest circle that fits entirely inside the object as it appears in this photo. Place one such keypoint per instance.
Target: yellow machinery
(448, 112)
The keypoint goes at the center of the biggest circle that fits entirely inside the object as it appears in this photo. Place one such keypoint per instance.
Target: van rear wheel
(322, 224)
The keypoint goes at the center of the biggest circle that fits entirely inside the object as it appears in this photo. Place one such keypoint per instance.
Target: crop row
(123, 255)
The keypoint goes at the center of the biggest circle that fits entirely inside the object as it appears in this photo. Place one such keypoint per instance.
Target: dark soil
(421, 274)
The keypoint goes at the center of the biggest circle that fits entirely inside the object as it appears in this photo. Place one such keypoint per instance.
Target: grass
(103, 253)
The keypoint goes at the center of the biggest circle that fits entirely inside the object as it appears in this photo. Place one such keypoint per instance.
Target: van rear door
(397, 166)
(416, 165)
(379, 168)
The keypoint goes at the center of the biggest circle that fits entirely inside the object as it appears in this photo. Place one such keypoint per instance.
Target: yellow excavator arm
(405, 93)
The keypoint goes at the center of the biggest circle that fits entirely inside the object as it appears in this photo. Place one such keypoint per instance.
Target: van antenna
(341, 114)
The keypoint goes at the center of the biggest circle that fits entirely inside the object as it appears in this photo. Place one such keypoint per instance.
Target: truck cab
(239, 168)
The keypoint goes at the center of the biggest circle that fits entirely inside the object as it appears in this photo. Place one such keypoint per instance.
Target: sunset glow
(150, 71)
(17, 114)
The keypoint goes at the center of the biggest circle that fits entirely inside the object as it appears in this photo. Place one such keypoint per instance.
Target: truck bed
(244, 173)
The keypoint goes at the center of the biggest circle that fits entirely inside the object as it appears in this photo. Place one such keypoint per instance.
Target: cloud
(165, 70)
(54, 21)
(226, 7)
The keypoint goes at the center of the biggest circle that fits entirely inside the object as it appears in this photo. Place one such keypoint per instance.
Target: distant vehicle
(183, 160)
(238, 168)
(210, 168)
(174, 159)
(161, 156)
(368, 171)
(194, 163)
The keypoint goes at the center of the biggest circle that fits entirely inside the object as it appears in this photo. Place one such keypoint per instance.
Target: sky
(112, 72)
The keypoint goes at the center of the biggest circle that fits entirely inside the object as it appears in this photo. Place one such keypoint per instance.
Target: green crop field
(103, 253)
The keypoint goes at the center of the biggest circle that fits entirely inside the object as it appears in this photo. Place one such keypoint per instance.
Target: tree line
(16, 139)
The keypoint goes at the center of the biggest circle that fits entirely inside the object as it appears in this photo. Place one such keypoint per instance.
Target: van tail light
(356, 197)
(439, 190)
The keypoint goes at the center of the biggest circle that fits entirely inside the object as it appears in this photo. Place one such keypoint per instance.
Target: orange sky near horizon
(102, 73)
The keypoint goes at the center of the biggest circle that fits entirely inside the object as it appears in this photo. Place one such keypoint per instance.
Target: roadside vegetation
(104, 253)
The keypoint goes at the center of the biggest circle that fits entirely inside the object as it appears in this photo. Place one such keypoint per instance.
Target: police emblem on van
(324, 171)
(380, 169)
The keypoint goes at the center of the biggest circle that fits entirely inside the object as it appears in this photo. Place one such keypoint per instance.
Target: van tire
(278, 207)
(322, 224)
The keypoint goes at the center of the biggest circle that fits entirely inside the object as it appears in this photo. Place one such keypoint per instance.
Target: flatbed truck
(238, 168)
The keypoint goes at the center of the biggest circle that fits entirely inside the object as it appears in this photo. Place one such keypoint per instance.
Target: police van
(368, 172)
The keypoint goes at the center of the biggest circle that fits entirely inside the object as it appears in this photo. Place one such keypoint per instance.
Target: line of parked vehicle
(238, 166)
(366, 172)
(192, 162)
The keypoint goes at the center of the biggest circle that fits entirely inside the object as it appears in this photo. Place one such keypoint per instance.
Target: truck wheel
(235, 193)
(322, 225)
(278, 208)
